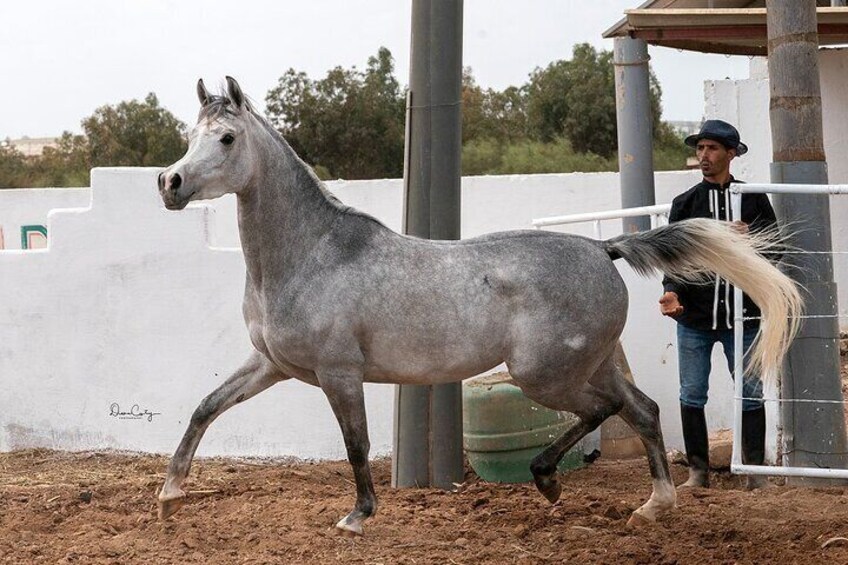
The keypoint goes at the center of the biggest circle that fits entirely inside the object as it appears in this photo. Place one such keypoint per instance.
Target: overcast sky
(61, 59)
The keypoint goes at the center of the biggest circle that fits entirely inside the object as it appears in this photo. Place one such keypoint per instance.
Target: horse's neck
(281, 217)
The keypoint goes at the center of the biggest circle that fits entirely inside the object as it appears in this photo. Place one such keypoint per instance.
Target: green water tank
(503, 430)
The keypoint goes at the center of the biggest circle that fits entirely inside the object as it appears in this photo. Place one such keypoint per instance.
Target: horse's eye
(228, 139)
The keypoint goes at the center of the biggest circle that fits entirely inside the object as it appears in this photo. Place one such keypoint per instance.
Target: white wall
(29, 207)
(497, 203)
(131, 305)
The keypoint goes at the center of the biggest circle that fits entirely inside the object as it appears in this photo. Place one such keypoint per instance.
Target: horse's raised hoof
(638, 520)
(169, 507)
(550, 488)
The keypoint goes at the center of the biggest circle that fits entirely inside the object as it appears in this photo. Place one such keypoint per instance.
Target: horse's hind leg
(254, 376)
(643, 415)
(592, 406)
(608, 393)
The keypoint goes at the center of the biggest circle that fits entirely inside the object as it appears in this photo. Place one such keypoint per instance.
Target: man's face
(714, 158)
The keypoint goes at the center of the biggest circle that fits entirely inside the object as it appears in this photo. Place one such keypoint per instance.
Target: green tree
(590, 119)
(547, 108)
(349, 124)
(14, 172)
(506, 111)
(670, 153)
(492, 114)
(575, 99)
(473, 108)
(133, 133)
(67, 164)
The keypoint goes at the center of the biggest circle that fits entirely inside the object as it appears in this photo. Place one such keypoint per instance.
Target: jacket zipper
(714, 207)
(727, 284)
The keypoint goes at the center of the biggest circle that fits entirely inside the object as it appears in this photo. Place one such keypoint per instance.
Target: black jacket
(710, 306)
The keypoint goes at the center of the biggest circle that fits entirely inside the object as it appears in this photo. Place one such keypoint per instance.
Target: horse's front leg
(254, 376)
(345, 392)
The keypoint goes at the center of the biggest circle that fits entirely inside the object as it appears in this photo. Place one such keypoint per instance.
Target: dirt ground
(100, 508)
(58, 507)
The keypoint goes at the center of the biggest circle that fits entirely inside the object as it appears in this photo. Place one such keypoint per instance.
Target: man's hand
(669, 305)
(739, 226)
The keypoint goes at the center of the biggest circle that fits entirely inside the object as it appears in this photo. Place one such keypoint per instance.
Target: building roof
(733, 27)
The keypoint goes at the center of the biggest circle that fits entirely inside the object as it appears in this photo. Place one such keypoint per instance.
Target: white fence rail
(658, 214)
(736, 465)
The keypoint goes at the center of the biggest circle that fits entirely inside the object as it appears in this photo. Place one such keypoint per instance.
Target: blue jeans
(694, 353)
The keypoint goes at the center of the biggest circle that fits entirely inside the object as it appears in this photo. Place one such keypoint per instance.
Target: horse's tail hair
(691, 250)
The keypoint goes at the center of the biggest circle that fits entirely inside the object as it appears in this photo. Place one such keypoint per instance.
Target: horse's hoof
(550, 489)
(349, 528)
(757, 482)
(638, 520)
(168, 508)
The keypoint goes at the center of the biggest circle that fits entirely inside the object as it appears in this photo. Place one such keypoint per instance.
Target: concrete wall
(133, 305)
(23, 213)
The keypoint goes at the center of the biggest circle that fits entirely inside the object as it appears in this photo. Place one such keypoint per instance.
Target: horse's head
(219, 157)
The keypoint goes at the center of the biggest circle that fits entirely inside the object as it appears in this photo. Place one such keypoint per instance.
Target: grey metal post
(428, 419)
(635, 130)
(814, 434)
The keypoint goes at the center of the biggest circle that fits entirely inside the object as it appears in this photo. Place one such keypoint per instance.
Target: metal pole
(738, 349)
(635, 129)
(428, 419)
(812, 437)
(635, 159)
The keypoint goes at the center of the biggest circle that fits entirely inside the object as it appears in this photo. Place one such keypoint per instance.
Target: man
(704, 312)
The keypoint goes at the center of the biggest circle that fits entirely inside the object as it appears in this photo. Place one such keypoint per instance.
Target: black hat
(720, 131)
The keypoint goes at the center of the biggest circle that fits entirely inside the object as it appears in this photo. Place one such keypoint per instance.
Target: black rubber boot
(754, 444)
(697, 446)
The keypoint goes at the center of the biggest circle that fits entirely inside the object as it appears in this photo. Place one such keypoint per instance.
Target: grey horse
(335, 299)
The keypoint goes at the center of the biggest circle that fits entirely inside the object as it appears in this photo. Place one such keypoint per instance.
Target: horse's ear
(203, 94)
(234, 90)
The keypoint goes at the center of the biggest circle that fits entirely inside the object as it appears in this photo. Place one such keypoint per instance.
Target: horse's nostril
(161, 180)
(176, 181)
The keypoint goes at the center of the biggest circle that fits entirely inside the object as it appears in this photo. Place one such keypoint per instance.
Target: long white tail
(690, 250)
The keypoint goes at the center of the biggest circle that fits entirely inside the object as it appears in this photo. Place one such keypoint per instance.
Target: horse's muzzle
(169, 186)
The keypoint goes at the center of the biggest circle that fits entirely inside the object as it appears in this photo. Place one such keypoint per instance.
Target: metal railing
(736, 465)
(658, 214)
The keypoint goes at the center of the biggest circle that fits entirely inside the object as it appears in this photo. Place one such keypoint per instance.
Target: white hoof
(350, 526)
(640, 520)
